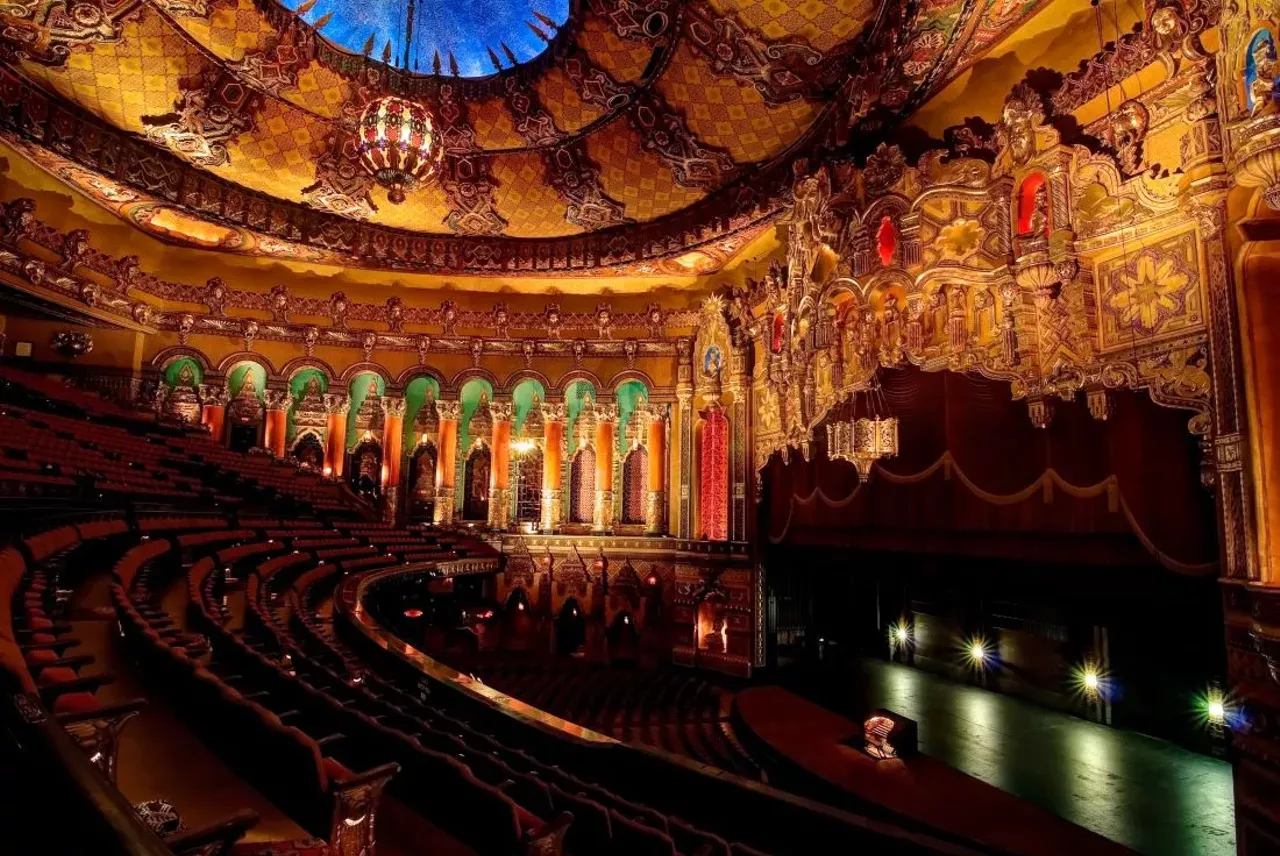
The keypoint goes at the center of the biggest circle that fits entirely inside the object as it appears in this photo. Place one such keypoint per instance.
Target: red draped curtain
(972, 467)
(713, 474)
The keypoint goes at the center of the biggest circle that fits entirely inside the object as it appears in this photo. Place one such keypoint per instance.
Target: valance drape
(970, 461)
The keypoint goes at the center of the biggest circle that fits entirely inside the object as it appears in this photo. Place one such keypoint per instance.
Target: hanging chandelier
(865, 440)
(398, 145)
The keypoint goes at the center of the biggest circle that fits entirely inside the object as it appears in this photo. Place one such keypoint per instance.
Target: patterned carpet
(298, 847)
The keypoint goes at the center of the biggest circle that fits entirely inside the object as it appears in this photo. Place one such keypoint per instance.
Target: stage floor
(1031, 768)
(1148, 794)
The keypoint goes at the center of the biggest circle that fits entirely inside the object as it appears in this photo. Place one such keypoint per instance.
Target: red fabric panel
(970, 461)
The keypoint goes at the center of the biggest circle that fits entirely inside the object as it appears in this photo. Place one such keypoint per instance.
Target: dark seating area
(234, 619)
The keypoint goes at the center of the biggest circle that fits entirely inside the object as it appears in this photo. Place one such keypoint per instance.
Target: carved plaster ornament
(74, 248)
(205, 116)
(528, 348)
(215, 290)
(1023, 112)
(338, 309)
(1128, 130)
(579, 351)
(477, 351)
(279, 304)
(654, 313)
(501, 320)
(448, 317)
(1263, 89)
(423, 343)
(552, 315)
(19, 216)
(127, 275)
(368, 341)
(45, 33)
(310, 336)
(885, 168)
(393, 313)
(186, 323)
(630, 349)
(342, 186)
(89, 293)
(141, 313)
(250, 333)
(604, 321)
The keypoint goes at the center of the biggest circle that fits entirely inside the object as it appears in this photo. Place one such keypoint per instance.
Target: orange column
(656, 501)
(446, 456)
(392, 446)
(278, 404)
(336, 434)
(500, 472)
(214, 412)
(552, 460)
(606, 421)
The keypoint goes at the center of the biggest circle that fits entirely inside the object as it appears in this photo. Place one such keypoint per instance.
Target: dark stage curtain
(971, 463)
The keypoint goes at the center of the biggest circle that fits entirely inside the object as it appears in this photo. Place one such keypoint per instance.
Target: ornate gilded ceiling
(648, 131)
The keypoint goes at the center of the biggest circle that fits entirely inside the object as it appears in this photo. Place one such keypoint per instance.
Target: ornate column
(335, 434)
(606, 424)
(278, 402)
(213, 411)
(684, 416)
(739, 440)
(656, 502)
(553, 416)
(392, 450)
(500, 468)
(446, 455)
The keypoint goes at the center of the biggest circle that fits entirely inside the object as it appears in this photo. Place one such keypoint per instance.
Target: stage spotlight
(901, 633)
(978, 652)
(1215, 707)
(1091, 680)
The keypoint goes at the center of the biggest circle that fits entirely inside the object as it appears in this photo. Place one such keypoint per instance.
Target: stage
(921, 788)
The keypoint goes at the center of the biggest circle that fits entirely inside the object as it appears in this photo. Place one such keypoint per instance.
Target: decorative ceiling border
(110, 285)
(263, 225)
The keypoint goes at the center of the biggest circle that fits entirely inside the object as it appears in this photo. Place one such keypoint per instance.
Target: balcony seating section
(300, 764)
(30, 636)
(46, 450)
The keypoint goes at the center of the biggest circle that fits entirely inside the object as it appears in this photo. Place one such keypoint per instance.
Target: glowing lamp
(1216, 708)
(900, 634)
(1090, 680)
(413, 613)
(520, 606)
(522, 446)
(398, 145)
(978, 652)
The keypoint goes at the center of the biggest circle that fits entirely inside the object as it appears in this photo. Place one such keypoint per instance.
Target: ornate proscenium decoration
(72, 343)
(398, 145)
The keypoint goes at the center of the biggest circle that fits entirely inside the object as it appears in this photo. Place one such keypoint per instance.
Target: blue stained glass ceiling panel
(465, 32)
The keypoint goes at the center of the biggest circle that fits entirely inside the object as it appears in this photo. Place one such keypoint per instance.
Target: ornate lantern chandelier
(398, 145)
(865, 440)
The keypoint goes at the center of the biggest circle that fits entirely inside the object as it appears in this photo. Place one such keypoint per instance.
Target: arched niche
(582, 485)
(422, 391)
(364, 390)
(246, 385)
(307, 414)
(1034, 216)
(631, 395)
(525, 396)
(422, 482)
(1260, 53)
(364, 472)
(182, 377)
(635, 485)
(471, 394)
(579, 395)
(477, 478)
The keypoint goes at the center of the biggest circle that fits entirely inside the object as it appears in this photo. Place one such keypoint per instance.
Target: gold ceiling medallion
(398, 145)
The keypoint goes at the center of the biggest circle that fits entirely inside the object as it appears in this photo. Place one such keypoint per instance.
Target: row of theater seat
(42, 436)
(414, 733)
(33, 662)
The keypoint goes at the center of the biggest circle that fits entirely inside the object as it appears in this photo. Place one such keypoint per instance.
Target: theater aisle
(1148, 794)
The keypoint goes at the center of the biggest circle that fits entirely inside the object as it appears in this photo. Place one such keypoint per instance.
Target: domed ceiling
(646, 136)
